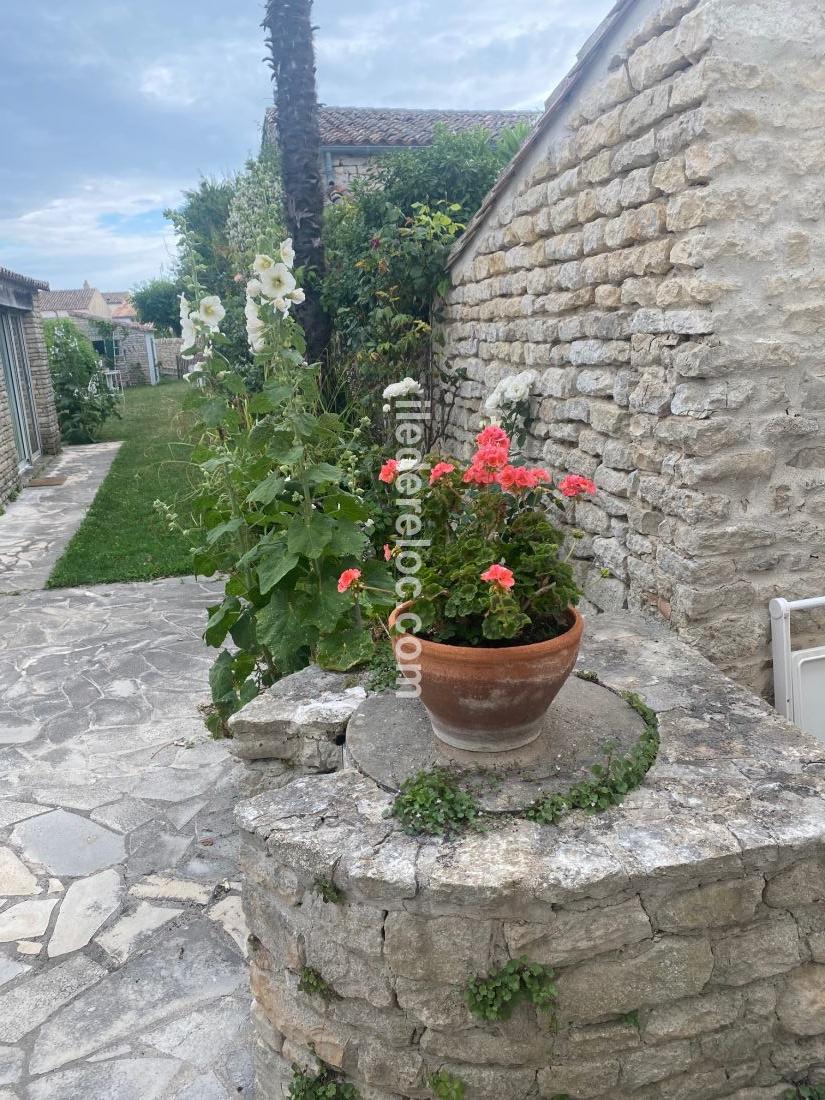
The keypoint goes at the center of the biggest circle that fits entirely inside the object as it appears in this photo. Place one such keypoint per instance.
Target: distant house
(124, 343)
(28, 419)
(353, 137)
(120, 304)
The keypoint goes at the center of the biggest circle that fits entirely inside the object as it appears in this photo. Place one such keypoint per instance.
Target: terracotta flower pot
(488, 700)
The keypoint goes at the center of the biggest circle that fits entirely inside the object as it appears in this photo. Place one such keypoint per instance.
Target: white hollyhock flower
(401, 389)
(188, 336)
(184, 309)
(282, 305)
(277, 281)
(211, 311)
(251, 310)
(254, 288)
(288, 252)
(297, 296)
(262, 263)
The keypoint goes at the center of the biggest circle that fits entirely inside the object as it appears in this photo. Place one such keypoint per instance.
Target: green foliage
(311, 982)
(495, 997)
(612, 779)
(380, 287)
(806, 1092)
(220, 226)
(82, 397)
(319, 1086)
(156, 302)
(431, 802)
(445, 1086)
(328, 891)
(383, 671)
(590, 677)
(455, 168)
(255, 217)
(279, 513)
(475, 526)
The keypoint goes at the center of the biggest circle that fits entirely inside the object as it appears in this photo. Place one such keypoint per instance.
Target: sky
(109, 109)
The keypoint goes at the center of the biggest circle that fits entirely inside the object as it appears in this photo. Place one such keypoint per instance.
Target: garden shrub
(82, 398)
(278, 510)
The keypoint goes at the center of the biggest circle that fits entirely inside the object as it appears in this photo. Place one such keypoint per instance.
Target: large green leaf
(345, 649)
(266, 490)
(221, 619)
(274, 567)
(310, 538)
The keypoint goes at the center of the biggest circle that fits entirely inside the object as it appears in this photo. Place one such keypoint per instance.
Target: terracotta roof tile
(22, 280)
(398, 127)
(66, 299)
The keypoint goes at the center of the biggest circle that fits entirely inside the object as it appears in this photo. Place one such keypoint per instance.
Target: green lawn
(122, 537)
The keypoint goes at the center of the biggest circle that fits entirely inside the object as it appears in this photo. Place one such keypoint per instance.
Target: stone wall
(685, 927)
(10, 479)
(655, 257)
(167, 350)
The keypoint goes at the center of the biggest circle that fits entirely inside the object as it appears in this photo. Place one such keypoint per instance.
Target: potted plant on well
(492, 631)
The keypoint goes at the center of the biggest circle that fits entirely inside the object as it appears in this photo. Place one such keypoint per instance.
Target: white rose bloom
(262, 263)
(493, 402)
(211, 312)
(277, 281)
(386, 408)
(401, 389)
(254, 288)
(288, 252)
(407, 464)
(297, 296)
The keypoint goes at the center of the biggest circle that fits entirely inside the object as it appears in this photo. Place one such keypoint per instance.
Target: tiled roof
(22, 280)
(114, 297)
(397, 126)
(67, 299)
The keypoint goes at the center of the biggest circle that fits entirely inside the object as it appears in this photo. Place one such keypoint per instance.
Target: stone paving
(36, 527)
(122, 968)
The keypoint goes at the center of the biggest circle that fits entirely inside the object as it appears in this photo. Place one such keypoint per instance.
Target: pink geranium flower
(574, 485)
(389, 471)
(500, 575)
(441, 469)
(495, 435)
(493, 455)
(348, 579)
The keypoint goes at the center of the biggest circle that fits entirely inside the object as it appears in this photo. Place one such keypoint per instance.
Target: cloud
(110, 231)
(119, 113)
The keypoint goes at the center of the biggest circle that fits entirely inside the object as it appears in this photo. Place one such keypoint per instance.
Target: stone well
(686, 927)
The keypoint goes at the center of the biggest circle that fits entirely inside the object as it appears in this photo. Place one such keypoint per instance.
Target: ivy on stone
(445, 1086)
(311, 982)
(327, 891)
(319, 1086)
(495, 997)
(612, 779)
(432, 802)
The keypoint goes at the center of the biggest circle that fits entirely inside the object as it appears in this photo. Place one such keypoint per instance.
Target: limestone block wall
(685, 927)
(655, 256)
(167, 349)
(41, 380)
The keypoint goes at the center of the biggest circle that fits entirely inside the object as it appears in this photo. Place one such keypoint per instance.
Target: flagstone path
(122, 971)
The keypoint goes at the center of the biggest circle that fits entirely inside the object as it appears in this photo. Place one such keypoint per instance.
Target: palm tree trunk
(289, 29)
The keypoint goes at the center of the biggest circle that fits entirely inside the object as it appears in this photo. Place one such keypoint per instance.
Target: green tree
(156, 302)
(81, 395)
(292, 56)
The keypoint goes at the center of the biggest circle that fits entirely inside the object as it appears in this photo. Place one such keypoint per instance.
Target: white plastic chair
(798, 675)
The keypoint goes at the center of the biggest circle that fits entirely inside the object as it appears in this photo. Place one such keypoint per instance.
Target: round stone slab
(390, 739)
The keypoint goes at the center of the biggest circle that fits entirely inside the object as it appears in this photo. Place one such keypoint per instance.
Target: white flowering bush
(279, 511)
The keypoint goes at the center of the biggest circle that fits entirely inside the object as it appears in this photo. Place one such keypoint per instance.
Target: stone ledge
(681, 924)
